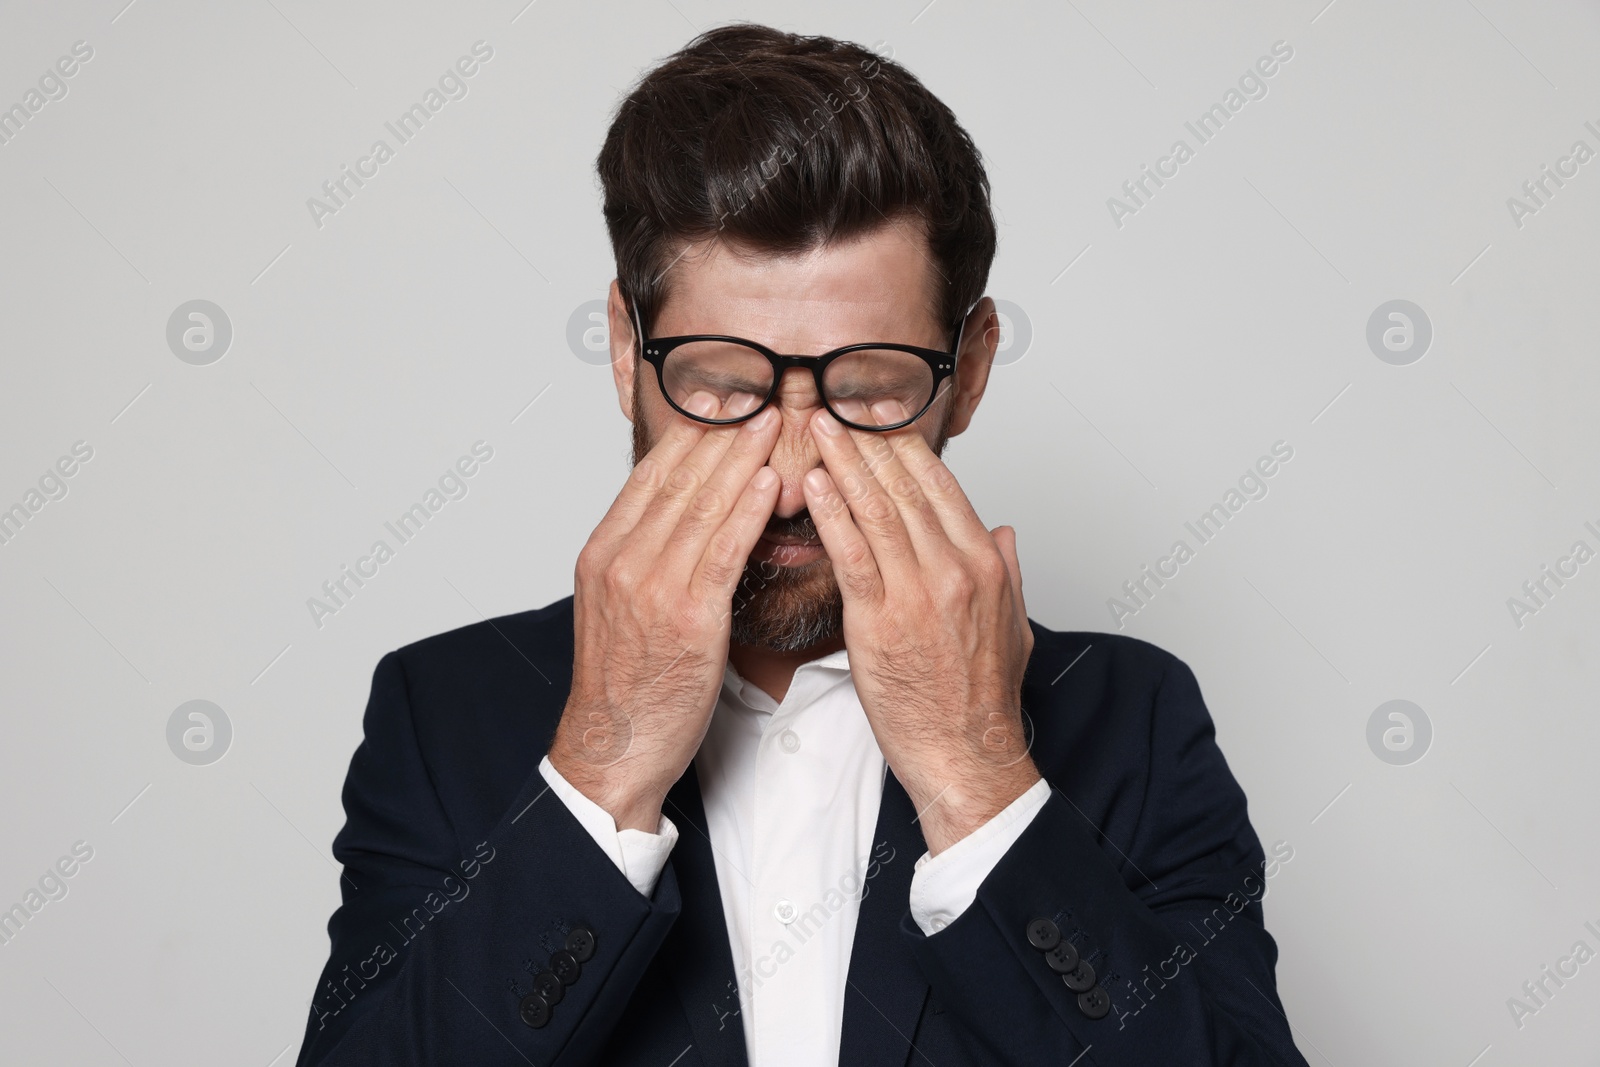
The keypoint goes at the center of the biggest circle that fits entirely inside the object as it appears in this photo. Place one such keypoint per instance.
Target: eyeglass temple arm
(961, 328)
(638, 336)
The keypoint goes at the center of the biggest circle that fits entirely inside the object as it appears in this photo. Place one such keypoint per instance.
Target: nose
(795, 452)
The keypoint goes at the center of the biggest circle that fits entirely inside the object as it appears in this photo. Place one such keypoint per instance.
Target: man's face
(877, 288)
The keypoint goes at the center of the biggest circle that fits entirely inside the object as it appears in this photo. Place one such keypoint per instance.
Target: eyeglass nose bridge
(813, 366)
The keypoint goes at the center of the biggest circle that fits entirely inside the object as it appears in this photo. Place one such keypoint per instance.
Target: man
(792, 778)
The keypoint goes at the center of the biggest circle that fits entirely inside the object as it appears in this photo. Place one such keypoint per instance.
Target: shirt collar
(839, 660)
(836, 664)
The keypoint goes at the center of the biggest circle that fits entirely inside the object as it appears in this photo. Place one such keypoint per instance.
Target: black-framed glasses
(742, 376)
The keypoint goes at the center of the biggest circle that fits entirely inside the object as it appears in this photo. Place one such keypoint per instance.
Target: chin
(787, 609)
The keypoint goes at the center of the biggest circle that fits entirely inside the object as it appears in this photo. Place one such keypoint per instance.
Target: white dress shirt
(791, 793)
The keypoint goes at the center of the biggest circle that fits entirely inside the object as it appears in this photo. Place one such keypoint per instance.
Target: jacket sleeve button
(565, 965)
(548, 986)
(1062, 959)
(535, 1010)
(580, 942)
(1081, 978)
(1094, 1003)
(1043, 935)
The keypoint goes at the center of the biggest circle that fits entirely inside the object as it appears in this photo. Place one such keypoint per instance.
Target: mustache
(799, 525)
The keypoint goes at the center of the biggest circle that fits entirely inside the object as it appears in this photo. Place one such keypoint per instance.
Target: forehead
(875, 287)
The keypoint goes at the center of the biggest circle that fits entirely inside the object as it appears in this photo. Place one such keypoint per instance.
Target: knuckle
(856, 555)
(877, 508)
(708, 502)
(621, 577)
(859, 584)
(647, 472)
(904, 486)
(984, 567)
(589, 564)
(958, 584)
(689, 530)
(682, 479)
(994, 569)
(940, 479)
(724, 546)
(718, 569)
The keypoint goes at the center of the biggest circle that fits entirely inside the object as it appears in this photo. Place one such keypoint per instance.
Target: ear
(624, 353)
(980, 337)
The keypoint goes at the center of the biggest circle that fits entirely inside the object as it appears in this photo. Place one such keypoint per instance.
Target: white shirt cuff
(638, 855)
(943, 886)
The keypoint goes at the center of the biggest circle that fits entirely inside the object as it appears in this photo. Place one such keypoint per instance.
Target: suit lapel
(884, 995)
(700, 960)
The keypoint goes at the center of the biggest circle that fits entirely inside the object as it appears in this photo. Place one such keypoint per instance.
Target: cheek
(650, 409)
(935, 426)
(643, 394)
(647, 423)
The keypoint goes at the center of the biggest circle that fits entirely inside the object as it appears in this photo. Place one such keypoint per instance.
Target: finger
(882, 458)
(944, 494)
(855, 568)
(663, 511)
(648, 476)
(728, 549)
(1005, 538)
(709, 508)
(876, 514)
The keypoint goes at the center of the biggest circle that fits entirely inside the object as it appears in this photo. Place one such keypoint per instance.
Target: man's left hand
(934, 621)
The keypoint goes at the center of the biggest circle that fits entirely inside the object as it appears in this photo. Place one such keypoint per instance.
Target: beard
(781, 609)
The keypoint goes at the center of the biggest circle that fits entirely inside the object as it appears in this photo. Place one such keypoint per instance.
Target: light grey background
(1167, 354)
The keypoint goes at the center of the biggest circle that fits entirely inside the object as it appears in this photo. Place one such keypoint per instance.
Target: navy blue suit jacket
(464, 875)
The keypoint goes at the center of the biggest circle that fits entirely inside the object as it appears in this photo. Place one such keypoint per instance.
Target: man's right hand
(652, 610)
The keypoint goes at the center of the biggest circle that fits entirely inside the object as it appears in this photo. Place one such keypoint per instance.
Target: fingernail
(762, 421)
(766, 478)
(854, 410)
(827, 424)
(701, 403)
(816, 481)
(888, 411)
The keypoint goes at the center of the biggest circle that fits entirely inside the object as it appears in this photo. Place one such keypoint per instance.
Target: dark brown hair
(780, 143)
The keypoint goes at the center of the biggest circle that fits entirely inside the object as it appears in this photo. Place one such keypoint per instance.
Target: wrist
(610, 786)
(957, 803)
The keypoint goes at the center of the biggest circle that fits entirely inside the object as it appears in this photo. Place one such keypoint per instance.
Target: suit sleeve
(441, 937)
(944, 886)
(1168, 936)
(638, 855)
